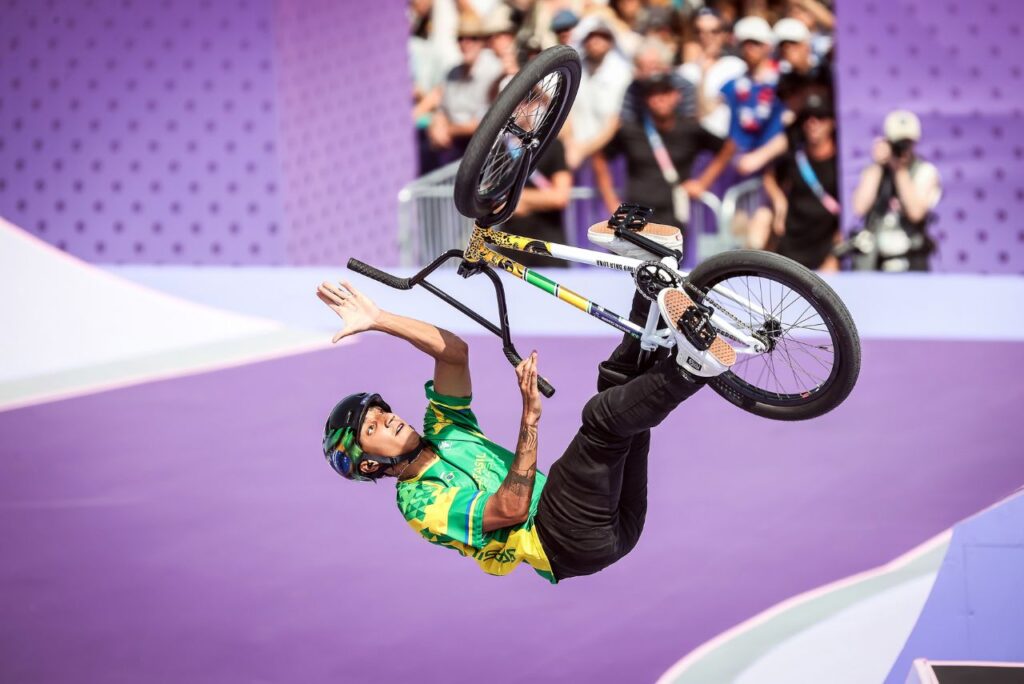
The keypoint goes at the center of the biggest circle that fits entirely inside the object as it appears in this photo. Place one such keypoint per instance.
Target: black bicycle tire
(827, 304)
(562, 57)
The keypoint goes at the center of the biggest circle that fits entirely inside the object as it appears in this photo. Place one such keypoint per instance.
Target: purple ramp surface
(189, 530)
(976, 608)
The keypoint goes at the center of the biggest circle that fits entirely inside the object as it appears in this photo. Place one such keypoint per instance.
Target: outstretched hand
(526, 371)
(358, 311)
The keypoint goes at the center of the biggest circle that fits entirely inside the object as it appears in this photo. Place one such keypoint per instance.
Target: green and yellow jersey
(445, 502)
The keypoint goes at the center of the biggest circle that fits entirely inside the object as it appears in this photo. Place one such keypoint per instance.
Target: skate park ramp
(75, 328)
(955, 598)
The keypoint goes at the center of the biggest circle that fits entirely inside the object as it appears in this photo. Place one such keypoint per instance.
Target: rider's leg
(633, 496)
(623, 359)
(579, 515)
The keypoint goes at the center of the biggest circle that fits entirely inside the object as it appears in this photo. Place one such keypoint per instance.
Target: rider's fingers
(355, 293)
(341, 291)
(338, 336)
(329, 292)
(326, 299)
(337, 289)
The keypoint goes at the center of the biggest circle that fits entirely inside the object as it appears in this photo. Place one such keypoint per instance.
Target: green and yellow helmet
(341, 438)
(341, 434)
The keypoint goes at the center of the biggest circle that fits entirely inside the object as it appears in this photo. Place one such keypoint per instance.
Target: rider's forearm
(512, 500)
(437, 342)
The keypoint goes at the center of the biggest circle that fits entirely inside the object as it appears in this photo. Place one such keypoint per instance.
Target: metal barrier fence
(429, 224)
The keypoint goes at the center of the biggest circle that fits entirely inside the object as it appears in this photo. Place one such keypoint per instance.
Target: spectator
(623, 18)
(603, 82)
(654, 57)
(800, 70)
(755, 116)
(659, 151)
(425, 65)
(803, 187)
(818, 19)
(562, 25)
(629, 12)
(501, 40)
(662, 23)
(755, 113)
(895, 196)
(539, 213)
(465, 93)
(708, 66)
(801, 73)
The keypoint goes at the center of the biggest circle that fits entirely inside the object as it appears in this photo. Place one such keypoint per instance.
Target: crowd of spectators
(748, 82)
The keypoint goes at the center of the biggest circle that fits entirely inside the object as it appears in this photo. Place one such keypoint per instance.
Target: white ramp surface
(62, 317)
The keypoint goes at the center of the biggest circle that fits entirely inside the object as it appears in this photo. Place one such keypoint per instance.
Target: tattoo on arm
(517, 489)
(528, 439)
(520, 484)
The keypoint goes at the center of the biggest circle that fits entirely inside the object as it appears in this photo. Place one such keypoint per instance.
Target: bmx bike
(797, 346)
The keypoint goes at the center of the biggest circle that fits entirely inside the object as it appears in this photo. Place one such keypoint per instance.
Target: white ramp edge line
(698, 653)
(155, 376)
(99, 272)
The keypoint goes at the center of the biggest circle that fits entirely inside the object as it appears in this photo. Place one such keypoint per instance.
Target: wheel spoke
(793, 367)
(529, 120)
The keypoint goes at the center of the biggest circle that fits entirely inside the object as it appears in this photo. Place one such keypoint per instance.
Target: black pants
(592, 509)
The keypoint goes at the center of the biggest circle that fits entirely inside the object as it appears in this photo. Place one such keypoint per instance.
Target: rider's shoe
(701, 351)
(604, 235)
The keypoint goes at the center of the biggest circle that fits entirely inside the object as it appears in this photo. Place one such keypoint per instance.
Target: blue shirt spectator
(756, 112)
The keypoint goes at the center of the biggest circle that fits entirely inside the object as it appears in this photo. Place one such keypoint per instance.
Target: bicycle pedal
(695, 324)
(631, 217)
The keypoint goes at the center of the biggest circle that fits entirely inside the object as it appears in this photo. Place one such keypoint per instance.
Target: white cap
(791, 30)
(499, 21)
(755, 29)
(902, 125)
(592, 24)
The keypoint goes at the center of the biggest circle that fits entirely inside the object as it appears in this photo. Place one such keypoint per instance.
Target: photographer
(895, 197)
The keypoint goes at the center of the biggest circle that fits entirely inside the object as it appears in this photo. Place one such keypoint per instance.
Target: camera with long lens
(900, 148)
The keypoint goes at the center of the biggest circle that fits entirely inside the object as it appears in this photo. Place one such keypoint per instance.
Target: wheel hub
(769, 333)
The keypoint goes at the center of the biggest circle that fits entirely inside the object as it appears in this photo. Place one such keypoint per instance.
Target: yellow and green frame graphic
(478, 250)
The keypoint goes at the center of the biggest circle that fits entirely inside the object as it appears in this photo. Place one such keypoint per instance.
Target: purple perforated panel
(958, 65)
(194, 131)
(141, 131)
(347, 139)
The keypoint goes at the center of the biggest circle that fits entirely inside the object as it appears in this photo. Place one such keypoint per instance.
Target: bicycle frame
(478, 257)
(477, 250)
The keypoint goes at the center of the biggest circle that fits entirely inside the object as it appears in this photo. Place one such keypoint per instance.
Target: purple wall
(187, 131)
(959, 67)
(346, 133)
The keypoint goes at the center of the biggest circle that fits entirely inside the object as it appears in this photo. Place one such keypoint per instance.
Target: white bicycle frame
(651, 336)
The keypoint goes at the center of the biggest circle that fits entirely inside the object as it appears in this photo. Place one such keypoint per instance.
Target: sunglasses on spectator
(712, 32)
(477, 39)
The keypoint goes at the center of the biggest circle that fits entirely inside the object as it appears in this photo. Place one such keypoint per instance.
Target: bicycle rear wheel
(529, 111)
(813, 356)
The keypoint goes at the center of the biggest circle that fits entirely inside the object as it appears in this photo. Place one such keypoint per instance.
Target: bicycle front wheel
(813, 349)
(530, 110)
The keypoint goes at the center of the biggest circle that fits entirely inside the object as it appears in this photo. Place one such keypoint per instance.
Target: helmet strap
(408, 456)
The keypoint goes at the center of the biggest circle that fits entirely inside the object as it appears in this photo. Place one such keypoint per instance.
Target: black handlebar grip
(378, 275)
(543, 385)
